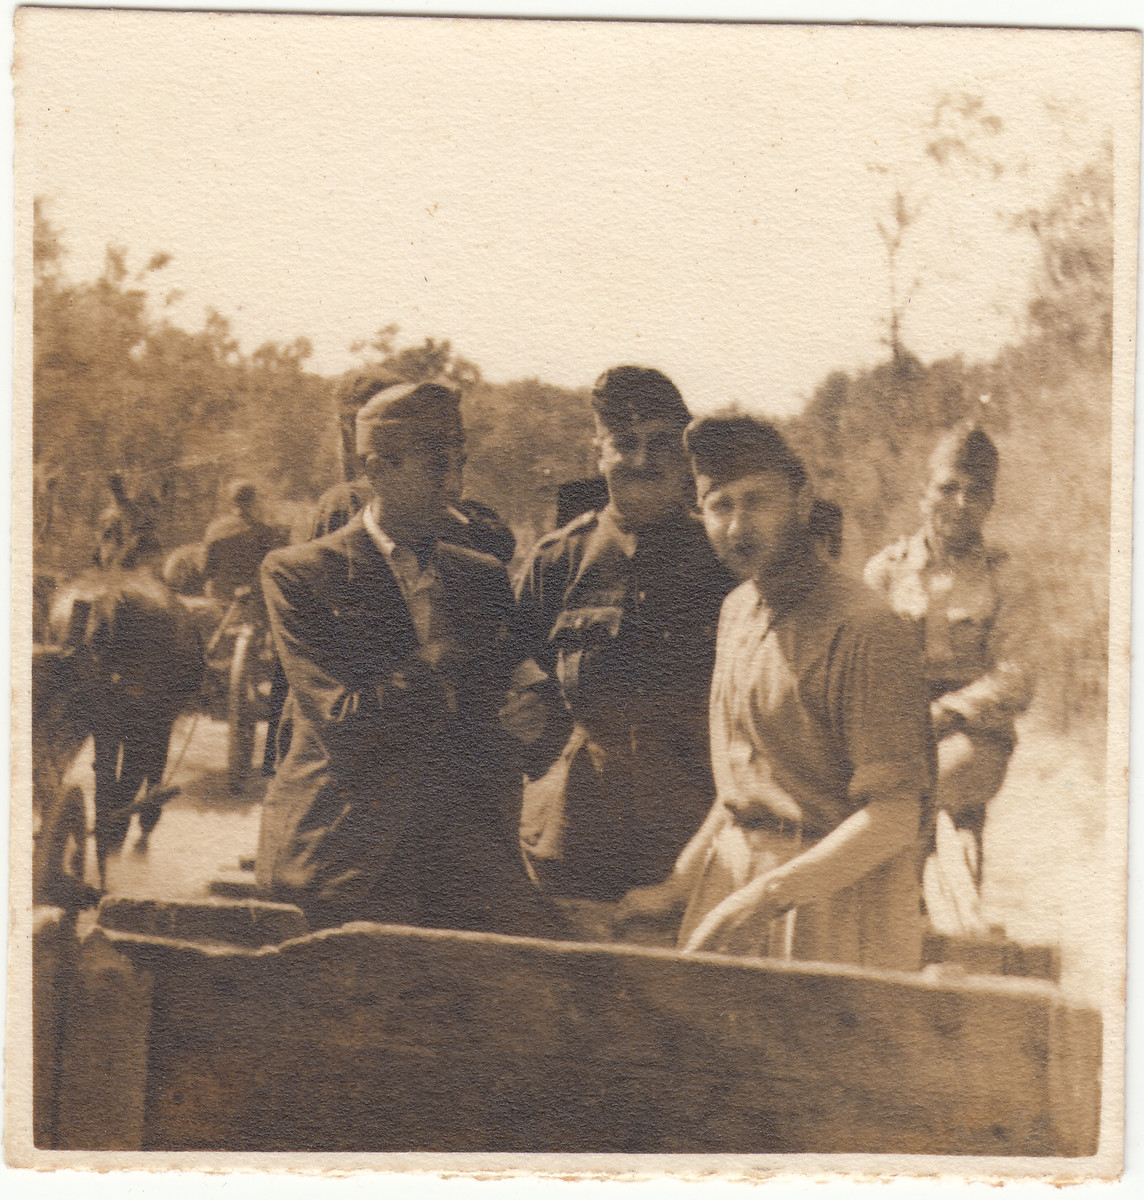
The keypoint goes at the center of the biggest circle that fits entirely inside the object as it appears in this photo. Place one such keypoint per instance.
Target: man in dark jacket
(397, 793)
(621, 606)
(235, 544)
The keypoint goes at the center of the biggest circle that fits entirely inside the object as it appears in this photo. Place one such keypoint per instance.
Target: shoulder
(852, 614)
(314, 557)
(222, 527)
(343, 494)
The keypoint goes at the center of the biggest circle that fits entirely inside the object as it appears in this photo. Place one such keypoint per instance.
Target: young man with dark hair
(961, 595)
(820, 739)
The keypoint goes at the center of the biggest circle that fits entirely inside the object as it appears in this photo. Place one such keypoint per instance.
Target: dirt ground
(1047, 864)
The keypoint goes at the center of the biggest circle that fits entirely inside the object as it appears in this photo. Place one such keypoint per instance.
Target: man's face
(752, 523)
(955, 506)
(646, 469)
(415, 487)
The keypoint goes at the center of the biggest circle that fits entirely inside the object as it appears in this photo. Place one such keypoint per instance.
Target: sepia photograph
(571, 595)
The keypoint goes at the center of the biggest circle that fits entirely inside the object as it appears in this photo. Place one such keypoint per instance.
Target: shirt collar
(377, 535)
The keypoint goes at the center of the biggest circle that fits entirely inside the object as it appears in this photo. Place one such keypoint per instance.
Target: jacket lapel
(371, 597)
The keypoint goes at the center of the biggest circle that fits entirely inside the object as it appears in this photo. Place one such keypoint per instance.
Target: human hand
(756, 902)
(654, 901)
(524, 716)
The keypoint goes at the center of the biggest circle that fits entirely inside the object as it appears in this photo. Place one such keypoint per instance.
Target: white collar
(378, 536)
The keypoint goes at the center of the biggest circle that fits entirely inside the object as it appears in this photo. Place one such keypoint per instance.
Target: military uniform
(626, 624)
(973, 672)
(388, 803)
(235, 546)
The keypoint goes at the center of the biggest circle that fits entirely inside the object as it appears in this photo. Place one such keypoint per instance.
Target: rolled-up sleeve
(879, 702)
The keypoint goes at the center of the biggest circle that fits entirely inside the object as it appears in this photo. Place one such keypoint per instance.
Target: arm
(861, 844)
(539, 587)
(878, 714)
(328, 683)
(993, 699)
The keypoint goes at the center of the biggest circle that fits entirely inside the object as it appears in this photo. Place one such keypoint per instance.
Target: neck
(405, 529)
(792, 577)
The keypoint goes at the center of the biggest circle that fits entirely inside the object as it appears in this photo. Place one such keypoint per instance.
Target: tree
(431, 359)
(177, 412)
(958, 144)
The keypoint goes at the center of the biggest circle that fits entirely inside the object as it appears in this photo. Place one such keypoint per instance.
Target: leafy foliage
(177, 413)
(119, 387)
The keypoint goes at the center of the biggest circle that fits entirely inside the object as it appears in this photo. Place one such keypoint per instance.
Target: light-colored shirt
(817, 707)
(961, 603)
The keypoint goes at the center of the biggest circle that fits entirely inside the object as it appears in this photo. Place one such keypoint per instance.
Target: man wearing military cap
(235, 544)
(468, 523)
(397, 778)
(965, 598)
(621, 607)
(820, 737)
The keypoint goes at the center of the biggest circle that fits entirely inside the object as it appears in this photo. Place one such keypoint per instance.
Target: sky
(554, 197)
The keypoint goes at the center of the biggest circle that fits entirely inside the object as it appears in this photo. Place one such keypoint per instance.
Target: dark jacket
(381, 748)
(627, 626)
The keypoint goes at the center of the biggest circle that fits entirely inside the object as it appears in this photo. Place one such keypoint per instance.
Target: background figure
(960, 593)
(620, 606)
(236, 543)
(398, 791)
(126, 536)
(466, 523)
(137, 662)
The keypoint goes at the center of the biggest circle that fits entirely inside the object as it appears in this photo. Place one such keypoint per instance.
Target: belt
(758, 817)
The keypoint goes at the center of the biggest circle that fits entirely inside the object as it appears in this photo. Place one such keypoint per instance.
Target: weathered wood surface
(376, 1038)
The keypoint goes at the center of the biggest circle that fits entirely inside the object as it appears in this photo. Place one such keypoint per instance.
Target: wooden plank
(103, 1057)
(376, 1038)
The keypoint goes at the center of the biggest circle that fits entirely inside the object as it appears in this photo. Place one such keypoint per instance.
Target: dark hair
(623, 395)
(727, 448)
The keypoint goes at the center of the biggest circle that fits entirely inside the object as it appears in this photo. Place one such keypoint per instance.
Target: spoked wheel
(241, 713)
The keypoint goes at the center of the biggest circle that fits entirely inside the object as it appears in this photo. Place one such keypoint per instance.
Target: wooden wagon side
(375, 1038)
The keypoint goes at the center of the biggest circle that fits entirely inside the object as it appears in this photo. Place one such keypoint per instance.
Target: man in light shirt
(820, 741)
(397, 791)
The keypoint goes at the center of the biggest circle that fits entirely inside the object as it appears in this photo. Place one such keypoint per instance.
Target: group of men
(683, 713)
